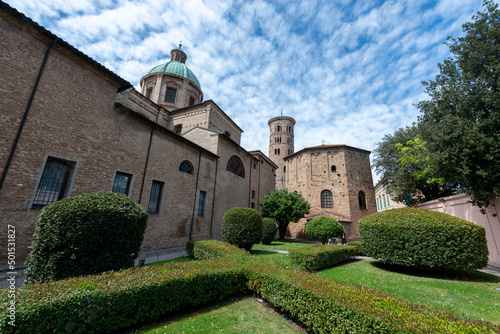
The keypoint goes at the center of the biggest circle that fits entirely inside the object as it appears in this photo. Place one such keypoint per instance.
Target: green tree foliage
(324, 228)
(459, 129)
(424, 239)
(284, 207)
(84, 235)
(268, 230)
(242, 227)
(462, 117)
(407, 168)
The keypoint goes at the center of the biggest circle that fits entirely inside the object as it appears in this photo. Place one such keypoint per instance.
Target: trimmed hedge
(324, 228)
(86, 234)
(242, 227)
(113, 300)
(322, 256)
(269, 229)
(213, 249)
(324, 305)
(424, 239)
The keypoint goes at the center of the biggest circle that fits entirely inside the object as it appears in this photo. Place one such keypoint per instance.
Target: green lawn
(283, 245)
(473, 294)
(239, 316)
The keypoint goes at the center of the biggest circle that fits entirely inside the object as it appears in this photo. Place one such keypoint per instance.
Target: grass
(239, 316)
(283, 245)
(473, 294)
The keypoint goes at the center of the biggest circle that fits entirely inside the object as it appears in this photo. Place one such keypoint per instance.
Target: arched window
(234, 165)
(289, 129)
(289, 151)
(277, 139)
(186, 167)
(326, 199)
(278, 128)
(334, 169)
(362, 200)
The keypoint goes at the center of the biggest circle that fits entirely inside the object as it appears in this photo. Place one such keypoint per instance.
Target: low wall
(459, 206)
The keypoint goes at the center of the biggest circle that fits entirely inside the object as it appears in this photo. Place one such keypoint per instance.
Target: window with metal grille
(191, 100)
(234, 165)
(186, 167)
(326, 199)
(155, 196)
(54, 184)
(202, 199)
(362, 200)
(170, 95)
(121, 184)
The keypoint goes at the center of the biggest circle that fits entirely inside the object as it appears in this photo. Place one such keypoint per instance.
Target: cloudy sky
(349, 72)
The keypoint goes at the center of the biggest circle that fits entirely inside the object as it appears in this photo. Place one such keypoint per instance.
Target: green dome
(177, 68)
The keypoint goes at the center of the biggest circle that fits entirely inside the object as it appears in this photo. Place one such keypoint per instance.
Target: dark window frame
(362, 200)
(170, 94)
(156, 198)
(117, 188)
(326, 199)
(202, 203)
(186, 167)
(235, 166)
(45, 193)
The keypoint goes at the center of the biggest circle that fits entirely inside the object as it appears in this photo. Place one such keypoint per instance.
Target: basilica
(72, 126)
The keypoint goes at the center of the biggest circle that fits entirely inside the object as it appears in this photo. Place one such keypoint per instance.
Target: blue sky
(349, 72)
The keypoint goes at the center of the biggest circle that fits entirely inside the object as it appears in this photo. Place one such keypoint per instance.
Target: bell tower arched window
(278, 128)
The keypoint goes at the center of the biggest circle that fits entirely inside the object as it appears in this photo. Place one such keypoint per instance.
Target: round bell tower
(280, 145)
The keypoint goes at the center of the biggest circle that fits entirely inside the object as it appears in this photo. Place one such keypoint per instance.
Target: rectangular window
(253, 205)
(202, 203)
(122, 182)
(170, 95)
(54, 184)
(191, 100)
(253, 194)
(149, 92)
(155, 196)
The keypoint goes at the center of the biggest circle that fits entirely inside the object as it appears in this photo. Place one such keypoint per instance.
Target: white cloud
(348, 71)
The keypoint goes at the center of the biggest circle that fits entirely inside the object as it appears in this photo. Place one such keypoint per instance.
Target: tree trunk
(282, 229)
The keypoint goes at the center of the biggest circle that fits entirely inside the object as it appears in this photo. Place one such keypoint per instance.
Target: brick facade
(344, 173)
(92, 120)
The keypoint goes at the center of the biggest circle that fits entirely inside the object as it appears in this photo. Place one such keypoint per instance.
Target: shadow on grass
(467, 276)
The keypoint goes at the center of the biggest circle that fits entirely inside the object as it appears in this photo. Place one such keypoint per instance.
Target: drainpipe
(147, 155)
(213, 199)
(250, 184)
(194, 202)
(26, 112)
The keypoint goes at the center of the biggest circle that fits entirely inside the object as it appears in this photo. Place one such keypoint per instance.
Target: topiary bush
(268, 230)
(424, 239)
(242, 227)
(86, 234)
(324, 228)
(213, 249)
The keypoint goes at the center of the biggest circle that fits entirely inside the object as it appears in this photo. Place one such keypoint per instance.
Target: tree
(462, 117)
(459, 125)
(284, 207)
(408, 170)
(324, 228)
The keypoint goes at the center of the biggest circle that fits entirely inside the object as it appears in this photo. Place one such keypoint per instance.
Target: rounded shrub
(242, 227)
(424, 239)
(86, 234)
(324, 228)
(269, 229)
